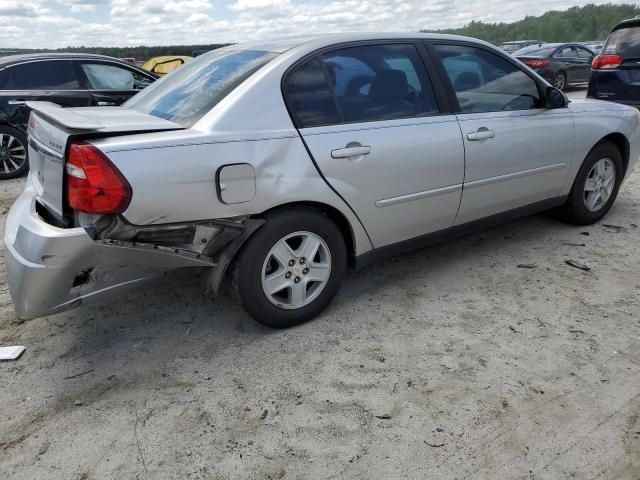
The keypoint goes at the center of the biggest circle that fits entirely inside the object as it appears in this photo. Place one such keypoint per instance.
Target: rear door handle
(351, 151)
(106, 104)
(481, 134)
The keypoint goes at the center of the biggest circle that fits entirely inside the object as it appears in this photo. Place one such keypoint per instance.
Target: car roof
(281, 45)
(630, 22)
(26, 57)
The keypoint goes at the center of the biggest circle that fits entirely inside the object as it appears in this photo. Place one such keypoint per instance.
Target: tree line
(139, 53)
(576, 24)
(590, 22)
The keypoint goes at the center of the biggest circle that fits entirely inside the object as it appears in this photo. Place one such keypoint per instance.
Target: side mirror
(554, 98)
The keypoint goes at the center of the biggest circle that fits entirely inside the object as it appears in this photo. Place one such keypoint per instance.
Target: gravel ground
(450, 362)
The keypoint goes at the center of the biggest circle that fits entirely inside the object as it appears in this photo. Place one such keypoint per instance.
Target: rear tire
(291, 268)
(596, 186)
(13, 153)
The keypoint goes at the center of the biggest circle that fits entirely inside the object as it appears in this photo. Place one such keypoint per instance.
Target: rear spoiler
(101, 119)
(63, 117)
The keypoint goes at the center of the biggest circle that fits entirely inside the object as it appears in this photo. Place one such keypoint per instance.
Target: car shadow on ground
(175, 310)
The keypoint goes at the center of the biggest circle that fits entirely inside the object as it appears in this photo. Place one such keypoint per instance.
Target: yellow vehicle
(165, 64)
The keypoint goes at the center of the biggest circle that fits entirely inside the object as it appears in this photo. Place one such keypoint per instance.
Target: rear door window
(624, 42)
(310, 97)
(361, 84)
(42, 75)
(566, 52)
(112, 77)
(584, 53)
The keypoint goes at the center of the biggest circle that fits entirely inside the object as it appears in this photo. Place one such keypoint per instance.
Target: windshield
(188, 93)
(624, 42)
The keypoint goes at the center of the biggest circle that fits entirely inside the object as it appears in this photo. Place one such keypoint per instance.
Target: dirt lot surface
(450, 362)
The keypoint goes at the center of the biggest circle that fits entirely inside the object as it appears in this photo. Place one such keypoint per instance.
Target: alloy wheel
(296, 270)
(13, 153)
(560, 81)
(599, 184)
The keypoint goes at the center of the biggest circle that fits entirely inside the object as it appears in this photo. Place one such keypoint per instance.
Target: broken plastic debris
(11, 353)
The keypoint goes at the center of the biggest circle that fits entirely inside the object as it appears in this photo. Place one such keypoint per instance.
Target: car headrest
(389, 86)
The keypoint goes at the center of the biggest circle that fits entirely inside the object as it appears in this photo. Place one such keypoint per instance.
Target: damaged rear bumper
(52, 269)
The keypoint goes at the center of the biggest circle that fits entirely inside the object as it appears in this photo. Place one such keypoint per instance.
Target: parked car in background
(68, 80)
(163, 65)
(616, 70)
(511, 47)
(561, 64)
(186, 174)
(595, 47)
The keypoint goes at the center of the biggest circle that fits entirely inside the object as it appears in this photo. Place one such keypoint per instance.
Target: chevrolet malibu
(279, 165)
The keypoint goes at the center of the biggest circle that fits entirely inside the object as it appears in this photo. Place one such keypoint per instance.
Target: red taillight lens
(94, 184)
(606, 61)
(538, 63)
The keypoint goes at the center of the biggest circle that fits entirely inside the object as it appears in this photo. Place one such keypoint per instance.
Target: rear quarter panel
(173, 175)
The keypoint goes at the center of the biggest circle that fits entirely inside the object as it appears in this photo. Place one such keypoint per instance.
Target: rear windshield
(511, 47)
(187, 94)
(535, 51)
(624, 42)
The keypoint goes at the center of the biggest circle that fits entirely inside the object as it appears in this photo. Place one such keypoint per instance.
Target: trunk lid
(51, 127)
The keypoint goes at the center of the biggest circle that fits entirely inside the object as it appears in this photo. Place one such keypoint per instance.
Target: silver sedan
(279, 165)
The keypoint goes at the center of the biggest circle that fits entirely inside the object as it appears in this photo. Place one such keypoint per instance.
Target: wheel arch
(333, 213)
(622, 143)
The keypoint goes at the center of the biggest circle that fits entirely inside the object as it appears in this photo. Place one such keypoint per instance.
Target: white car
(292, 160)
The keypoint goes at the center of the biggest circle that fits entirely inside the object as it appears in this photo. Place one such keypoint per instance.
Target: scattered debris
(527, 265)
(434, 445)
(384, 416)
(11, 353)
(573, 330)
(439, 429)
(513, 329)
(612, 228)
(79, 374)
(542, 324)
(586, 234)
(78, 403)
(43, 448)
(264, 414)
(577, 264)
(574, 244)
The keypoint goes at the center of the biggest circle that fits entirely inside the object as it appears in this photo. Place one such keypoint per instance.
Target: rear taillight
(94, 184)
(606, 61)
(543, 62)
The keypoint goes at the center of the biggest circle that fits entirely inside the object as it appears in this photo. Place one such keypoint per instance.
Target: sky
(62, 23)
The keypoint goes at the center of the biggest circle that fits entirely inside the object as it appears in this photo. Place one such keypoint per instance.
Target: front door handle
(481, 134)
(352, 150)
(106, 104)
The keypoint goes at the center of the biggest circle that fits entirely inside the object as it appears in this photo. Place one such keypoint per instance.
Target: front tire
(291, 268)
(560, 80)
(13, 153)
(596, 186)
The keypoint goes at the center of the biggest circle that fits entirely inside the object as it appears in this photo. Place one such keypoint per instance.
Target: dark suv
(616, 70)
(70, 80)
